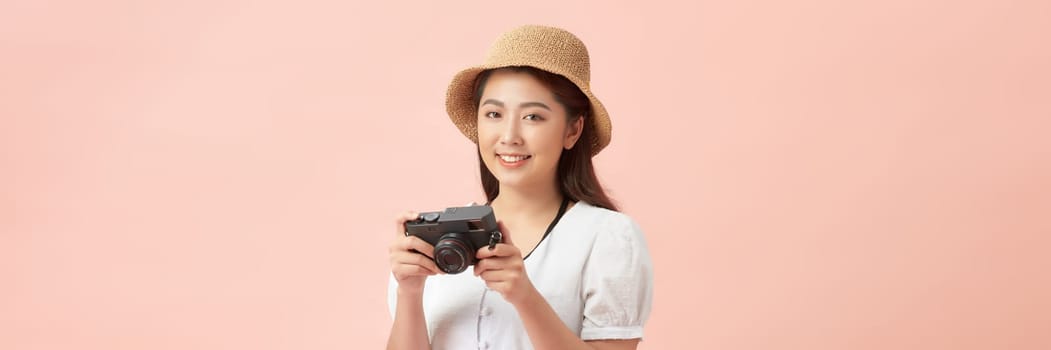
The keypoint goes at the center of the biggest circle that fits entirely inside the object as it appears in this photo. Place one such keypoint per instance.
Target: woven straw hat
(550, 49)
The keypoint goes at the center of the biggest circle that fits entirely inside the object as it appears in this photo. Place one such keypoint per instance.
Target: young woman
(572, 272)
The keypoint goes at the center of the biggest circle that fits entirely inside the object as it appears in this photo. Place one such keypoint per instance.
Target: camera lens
(450, 259)
(453, 253)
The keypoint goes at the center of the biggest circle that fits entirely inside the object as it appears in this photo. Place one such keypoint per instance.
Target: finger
(409, 243)
(411, 257)
(497, 264)
(486, 265)
(498, 276)
(485, 270)
(415, 243)
(501, 250)
(407, 258)
(406, 270)
(484, 252)
(402, 218)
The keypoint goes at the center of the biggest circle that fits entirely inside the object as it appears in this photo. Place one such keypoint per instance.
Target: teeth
(513, 159)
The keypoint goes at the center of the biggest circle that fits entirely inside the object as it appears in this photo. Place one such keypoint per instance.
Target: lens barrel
(453, 253)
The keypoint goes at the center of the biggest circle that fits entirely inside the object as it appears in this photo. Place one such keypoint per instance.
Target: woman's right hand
(410, 267)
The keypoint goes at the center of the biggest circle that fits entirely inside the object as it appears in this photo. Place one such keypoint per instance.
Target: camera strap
(561, 210)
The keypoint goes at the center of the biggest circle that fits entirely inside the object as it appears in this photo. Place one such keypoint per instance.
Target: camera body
(456, 234)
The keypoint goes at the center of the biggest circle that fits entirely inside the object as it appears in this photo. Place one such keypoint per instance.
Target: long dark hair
(576, 174)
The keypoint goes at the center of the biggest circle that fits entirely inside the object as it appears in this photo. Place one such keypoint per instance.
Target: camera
(456, 234)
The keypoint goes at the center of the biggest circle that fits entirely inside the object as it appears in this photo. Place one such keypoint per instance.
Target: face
(522, 130)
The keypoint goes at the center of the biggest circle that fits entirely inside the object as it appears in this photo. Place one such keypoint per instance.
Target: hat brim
(459, 103)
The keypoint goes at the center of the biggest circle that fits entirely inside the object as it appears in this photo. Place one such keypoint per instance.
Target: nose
(510, 134)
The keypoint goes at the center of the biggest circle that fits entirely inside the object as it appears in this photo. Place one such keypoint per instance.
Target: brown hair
(576, 173)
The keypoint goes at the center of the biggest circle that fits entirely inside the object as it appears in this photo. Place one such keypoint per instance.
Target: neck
(528, 201)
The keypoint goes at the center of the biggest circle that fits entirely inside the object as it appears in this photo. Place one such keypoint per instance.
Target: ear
(573, 133)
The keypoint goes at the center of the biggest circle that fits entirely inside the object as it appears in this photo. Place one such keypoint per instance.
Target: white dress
(594, 270)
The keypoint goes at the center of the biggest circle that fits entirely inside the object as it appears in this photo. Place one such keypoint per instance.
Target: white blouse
(593, 269)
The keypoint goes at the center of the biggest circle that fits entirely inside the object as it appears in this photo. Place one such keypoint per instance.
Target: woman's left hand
(503, 269)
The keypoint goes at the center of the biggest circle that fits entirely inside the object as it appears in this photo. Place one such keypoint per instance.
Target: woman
(572, 272)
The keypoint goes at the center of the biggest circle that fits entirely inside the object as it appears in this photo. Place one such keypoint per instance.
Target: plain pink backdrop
(809, 174)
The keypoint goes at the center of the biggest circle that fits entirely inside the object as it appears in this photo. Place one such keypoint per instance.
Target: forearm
(410, 325)
(546, 330)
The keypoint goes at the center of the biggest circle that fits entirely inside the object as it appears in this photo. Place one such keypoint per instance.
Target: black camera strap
(561, 211)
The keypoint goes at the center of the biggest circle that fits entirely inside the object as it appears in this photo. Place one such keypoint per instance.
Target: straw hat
(550, 49)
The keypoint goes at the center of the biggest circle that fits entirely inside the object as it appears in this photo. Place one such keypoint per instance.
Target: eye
(492, 115)
(533, 117)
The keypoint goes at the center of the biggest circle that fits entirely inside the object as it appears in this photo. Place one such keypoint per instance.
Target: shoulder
(609, 224)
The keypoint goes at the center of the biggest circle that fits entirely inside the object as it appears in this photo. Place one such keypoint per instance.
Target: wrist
(413, 293)
(530, 299)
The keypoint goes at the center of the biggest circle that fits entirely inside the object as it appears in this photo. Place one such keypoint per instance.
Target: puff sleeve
(617, 282)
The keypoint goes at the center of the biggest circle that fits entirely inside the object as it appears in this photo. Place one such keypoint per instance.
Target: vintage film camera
(456, 234)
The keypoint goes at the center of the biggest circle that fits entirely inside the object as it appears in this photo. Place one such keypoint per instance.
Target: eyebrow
(523, 105)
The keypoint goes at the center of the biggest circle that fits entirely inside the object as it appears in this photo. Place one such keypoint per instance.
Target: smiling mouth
(513, 159)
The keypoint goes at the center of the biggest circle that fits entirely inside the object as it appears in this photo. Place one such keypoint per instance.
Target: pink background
(810, 174)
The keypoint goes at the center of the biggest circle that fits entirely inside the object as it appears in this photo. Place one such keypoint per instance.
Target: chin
(509, 180)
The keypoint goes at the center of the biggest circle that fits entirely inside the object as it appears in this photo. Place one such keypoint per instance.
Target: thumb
(505, 236)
